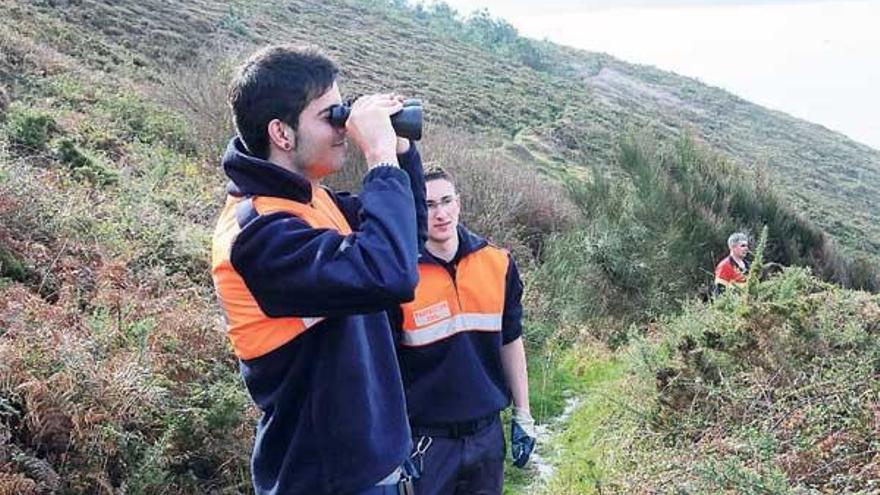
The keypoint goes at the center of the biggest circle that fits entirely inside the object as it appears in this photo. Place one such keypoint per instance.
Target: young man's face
(320, 147)
(443, 210)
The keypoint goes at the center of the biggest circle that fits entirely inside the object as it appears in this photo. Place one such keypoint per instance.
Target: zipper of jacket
(454, 277)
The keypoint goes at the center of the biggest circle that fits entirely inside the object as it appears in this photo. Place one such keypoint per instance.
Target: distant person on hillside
(462, 356)
(305, 277)
(734, 268)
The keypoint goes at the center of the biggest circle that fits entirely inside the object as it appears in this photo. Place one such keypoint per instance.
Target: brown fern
(48, 423)
(17, 484)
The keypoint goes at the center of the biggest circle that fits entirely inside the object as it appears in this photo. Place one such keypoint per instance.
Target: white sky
(817, 60)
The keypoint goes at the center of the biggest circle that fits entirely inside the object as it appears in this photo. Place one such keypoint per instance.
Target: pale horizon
(814, 59)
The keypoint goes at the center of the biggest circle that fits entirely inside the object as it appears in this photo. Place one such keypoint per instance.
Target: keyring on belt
(418, 454)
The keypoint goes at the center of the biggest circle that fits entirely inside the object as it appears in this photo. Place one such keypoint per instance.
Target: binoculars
(407, 123)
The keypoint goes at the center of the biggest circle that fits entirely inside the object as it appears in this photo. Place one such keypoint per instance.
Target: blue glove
(522, 437)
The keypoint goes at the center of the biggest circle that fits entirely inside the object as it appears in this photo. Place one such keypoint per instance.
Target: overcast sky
(817, 60)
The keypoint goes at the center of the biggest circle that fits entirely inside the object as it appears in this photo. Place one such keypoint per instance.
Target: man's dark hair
(435, 173)
(277, 82)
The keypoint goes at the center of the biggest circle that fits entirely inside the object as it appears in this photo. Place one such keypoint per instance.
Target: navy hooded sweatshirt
(306, 309)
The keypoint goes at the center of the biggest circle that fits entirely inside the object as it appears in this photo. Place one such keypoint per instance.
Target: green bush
(140, 120)
(29, 129)
(84, 166)
(13, 268)
(768, 389)
(234, 22)
(650, 239)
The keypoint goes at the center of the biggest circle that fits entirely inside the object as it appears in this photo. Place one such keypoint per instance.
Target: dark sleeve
(411, 163)
(395, 320)
(511, 321)
(293, 269)
(350, 206)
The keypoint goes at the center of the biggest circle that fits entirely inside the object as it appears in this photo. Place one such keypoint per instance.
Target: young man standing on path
(305, 277)
(733, 269)
(461, 354)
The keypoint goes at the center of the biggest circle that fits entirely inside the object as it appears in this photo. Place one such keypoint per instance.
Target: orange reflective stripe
(252, 332)
(475, 302)
(225, 232)
(321, 213)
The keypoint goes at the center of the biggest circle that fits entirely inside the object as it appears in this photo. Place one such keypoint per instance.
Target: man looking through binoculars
(304, 276)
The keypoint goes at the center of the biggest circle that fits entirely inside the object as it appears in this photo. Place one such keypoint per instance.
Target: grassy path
(575, 400)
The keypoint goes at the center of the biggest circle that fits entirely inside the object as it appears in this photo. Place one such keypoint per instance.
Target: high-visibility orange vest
(443, 307)
(252, 332)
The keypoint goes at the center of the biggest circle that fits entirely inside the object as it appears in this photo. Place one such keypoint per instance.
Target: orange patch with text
(432, 314)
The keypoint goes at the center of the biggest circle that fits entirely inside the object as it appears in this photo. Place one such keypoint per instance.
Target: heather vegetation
(115, 375)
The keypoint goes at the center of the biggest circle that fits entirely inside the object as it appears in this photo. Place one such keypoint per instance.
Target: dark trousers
(468, 465)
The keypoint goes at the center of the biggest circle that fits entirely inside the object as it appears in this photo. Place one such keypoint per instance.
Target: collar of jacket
(468, 242)
(252, 176)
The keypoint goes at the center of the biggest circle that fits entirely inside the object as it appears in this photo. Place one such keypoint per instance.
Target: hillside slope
(115, 373)
(566, 117)
(829, 176)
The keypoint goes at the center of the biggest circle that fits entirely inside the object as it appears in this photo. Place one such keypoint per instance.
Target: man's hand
(522, 436)
(369, 126)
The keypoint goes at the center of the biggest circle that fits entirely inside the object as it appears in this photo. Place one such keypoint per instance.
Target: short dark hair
(435, 172)
(277, 82)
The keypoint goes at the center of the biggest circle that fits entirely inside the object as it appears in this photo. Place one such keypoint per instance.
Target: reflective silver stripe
(459, 323)
(310, 322)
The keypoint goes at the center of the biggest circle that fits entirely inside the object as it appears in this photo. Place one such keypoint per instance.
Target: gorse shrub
(29, 129)
(84, 166)
(113, 374)
(650, 240)
(769, 388)
(136, 119)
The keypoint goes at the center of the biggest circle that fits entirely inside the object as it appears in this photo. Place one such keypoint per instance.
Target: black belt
(455, 430)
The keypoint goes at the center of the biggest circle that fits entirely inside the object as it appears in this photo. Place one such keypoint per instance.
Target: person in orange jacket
(305, 276)
(734, 268)
(461, 355)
